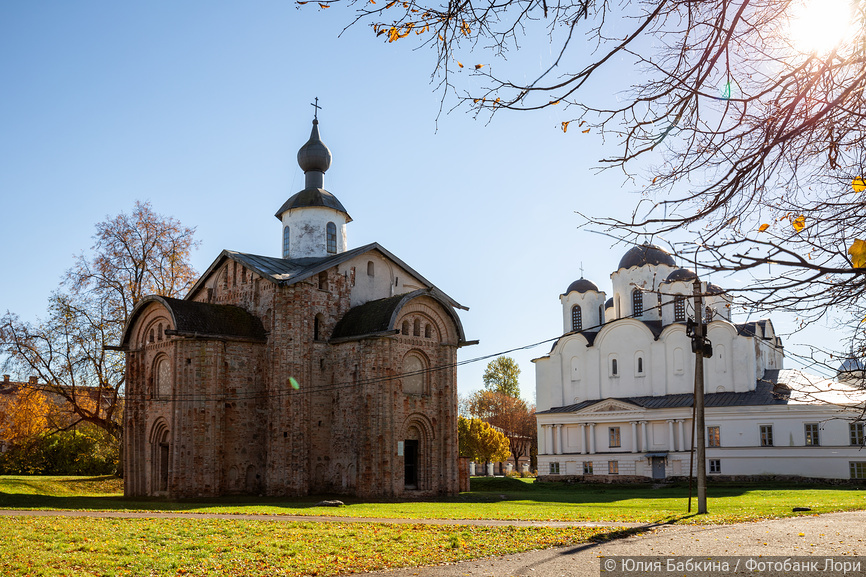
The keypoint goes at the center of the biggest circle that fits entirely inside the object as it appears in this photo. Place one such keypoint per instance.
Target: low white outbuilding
(615, 393)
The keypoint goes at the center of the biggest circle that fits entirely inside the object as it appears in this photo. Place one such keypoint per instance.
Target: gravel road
(834, 534)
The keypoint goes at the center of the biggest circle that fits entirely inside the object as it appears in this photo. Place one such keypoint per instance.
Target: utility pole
(701, 347)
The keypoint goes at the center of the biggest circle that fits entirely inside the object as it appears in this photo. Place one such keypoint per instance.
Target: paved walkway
(304, 518)
(834, 534)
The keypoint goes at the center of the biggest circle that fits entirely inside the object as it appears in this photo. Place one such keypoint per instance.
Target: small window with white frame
(587, 467)
(613, 467)
(614, 437)
(715, 466)
(613, 366)
(811, 431)
(714, 436)
(554, 468)
(856, 431)
(766, 432)
(858, 469)
(639, 368)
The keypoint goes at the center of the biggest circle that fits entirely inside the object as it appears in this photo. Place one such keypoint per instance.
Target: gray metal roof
(285, 271)
(767, 392)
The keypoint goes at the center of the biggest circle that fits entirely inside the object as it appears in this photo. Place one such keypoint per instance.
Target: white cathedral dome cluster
(615, 393)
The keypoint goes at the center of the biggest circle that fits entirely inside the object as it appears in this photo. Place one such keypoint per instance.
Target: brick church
(326, 370)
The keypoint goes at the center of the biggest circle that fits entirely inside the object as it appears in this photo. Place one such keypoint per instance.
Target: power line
(280, 392)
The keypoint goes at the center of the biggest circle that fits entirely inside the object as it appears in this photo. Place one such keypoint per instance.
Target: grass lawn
(495, 498)
(88, 546)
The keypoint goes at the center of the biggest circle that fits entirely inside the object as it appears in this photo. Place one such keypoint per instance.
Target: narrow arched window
(600, 314)
(332, 238)
(416, 328)
(317, 327)
(427, 331)
(371, 268)
(576, 318)
(679, 308)
(404, 328)
(637, 302)
(159, 332)
(286, 238)
(323, 281)
(614, 370)
(709, 314)
(640, 365)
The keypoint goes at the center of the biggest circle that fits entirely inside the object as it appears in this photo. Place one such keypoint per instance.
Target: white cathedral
(615, 393)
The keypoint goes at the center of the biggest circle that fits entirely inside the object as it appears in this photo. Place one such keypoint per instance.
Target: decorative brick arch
(418, 434)
(160, 456)
(415, 373)
(427, 310)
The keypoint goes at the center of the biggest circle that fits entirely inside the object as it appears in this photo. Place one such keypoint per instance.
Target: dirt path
(834, 534)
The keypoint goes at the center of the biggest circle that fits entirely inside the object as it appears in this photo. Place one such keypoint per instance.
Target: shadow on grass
(21, 493)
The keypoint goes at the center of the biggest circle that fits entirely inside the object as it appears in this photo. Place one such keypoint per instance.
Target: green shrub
(86, 452)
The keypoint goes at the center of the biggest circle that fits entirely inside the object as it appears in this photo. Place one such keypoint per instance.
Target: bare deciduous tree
(133, 255)
(741, 122)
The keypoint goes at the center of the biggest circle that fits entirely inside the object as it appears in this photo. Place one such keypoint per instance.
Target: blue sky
(200, 108)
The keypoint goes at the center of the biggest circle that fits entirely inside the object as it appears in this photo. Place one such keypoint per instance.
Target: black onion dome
(647, 254)
(581, 285)
(314, 155)
(681, 274)
(715, 289)
(609, 303)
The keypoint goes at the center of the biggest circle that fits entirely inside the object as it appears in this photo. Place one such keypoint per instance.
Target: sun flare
(820, 25)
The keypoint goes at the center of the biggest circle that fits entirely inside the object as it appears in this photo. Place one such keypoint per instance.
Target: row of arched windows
(416, 329)
(637, 307)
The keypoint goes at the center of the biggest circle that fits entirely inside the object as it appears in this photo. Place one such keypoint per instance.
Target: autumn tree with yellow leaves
(742, 123)
(481, 441)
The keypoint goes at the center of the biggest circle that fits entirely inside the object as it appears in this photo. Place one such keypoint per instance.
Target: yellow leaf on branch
(799, 223)
(763, 227)
(585, 131)
(565, 126)
(477, 66)
(857, 250)
(459, 64)
(858, 184)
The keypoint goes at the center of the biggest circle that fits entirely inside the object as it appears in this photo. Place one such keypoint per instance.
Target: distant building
(615, 393)
(323, 370)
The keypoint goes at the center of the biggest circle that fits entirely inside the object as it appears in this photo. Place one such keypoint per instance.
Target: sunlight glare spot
(820, 25)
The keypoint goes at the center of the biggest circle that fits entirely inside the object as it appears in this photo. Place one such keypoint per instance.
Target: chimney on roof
(5, 379)
(32, 380)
